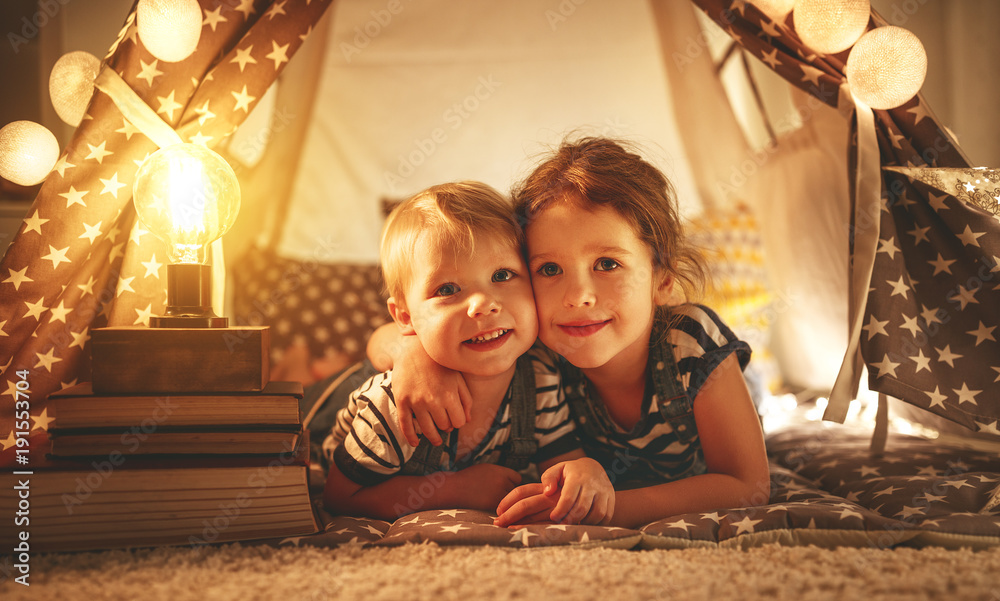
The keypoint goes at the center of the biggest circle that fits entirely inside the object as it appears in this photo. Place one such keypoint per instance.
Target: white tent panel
(408, 100)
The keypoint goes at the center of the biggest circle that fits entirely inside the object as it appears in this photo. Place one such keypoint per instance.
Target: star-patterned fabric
(826, 490)
(80, 261)
(930, 320)
(931, 330)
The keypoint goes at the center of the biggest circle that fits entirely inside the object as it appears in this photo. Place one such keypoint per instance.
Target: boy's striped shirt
(370, 447)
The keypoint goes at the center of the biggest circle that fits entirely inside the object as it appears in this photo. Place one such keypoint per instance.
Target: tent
(383, 99)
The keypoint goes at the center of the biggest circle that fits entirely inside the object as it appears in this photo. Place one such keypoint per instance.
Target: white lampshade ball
(830, 26)
(169, 29)
(886, 67)
(776, 9)
(28, 151)
(71, 84)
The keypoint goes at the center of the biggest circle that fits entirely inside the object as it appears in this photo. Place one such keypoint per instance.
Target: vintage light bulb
(169, 29)
(28, 151)
(886, 67)
(830, 26)
(71, 84)
(188, 196)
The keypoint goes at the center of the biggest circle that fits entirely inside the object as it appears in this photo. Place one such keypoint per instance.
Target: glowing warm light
(816, 412)
(886, 67)
(71, 84)
(776, 9)
(28, 151)
(169, 29)
(778, 411)
(830, 26)
(188, 196)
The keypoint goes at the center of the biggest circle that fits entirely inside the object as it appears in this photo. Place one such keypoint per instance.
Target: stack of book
(136, 467)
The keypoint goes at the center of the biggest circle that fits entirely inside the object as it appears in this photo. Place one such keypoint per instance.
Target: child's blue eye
(503, 275)
(606, 265)
(549, 270)
(447, 290)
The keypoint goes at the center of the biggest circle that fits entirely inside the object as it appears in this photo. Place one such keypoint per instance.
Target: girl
(657, 393)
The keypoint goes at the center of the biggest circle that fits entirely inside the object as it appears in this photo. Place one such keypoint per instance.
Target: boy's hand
(482, 486)
(578, 492)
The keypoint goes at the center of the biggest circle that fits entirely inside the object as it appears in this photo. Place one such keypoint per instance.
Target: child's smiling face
(473, 312)
(595, 287)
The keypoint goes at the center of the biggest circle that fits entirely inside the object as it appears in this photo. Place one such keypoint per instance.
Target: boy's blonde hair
(453, 214)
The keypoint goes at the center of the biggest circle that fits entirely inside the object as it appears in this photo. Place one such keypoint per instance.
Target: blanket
(827, 490)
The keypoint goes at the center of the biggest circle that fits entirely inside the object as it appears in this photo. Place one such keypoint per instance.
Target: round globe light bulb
(776, 9)
(169, 29)
(71, 84)
(831, 26)
(28, 151)
(188, 196)
(886, 67)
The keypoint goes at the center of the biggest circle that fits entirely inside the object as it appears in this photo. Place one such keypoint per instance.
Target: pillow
(798, 513)
(469, 527)
(738, 288)
(320, 315)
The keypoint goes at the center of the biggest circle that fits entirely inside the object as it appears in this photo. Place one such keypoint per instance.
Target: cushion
(738, 288)
(827, 490)
(468, 527)
(798, 514)
(320, 315)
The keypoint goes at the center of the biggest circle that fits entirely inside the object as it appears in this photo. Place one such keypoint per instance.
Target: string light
(28, 151)
(169, 29)
(71, 84)
(830, 26)
(776, 9)
(886, 67)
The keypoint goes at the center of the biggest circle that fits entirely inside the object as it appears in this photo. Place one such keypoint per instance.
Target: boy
(451, 260)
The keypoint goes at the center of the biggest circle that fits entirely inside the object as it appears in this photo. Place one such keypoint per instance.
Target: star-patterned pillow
(934, 492)
(827, 490)
(468, 527)
(798, 514)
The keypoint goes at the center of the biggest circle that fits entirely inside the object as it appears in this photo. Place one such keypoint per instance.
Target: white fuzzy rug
(472, 573)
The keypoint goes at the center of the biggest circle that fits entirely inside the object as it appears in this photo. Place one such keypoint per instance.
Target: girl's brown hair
(597, 171)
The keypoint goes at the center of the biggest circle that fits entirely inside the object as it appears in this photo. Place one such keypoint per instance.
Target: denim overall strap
(522, 446)
(575, 387)
(670, 395)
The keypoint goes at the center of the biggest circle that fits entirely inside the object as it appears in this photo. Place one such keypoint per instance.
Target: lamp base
(188, 321)
(189, 293)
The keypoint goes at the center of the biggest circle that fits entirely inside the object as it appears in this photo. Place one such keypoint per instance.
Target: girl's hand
(573, 492)
(526, 504)
(435, 396)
